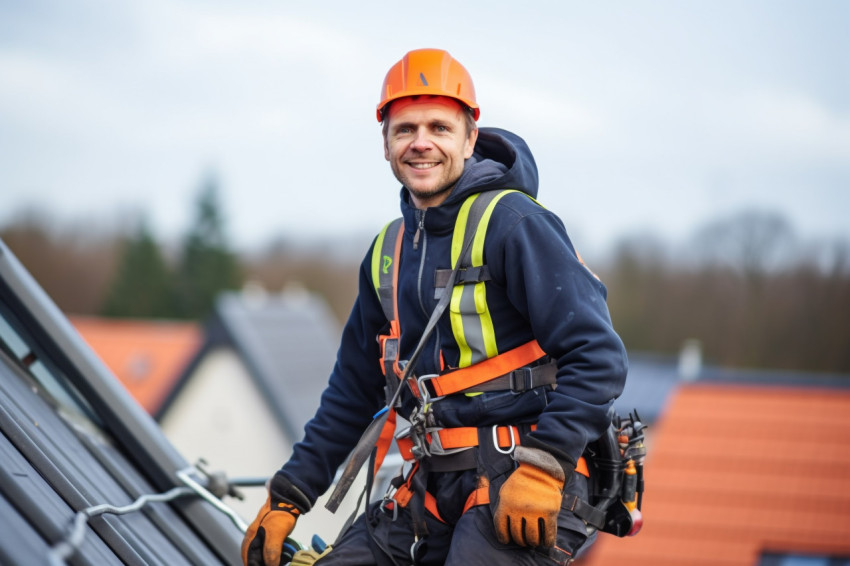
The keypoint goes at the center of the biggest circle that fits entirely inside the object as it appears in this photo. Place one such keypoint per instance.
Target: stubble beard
(428, 194)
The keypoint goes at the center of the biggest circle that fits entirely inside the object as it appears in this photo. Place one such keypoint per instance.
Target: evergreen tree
(142, 284)
(207, 266)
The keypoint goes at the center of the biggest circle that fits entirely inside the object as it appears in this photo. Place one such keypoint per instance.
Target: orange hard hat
(428, 71)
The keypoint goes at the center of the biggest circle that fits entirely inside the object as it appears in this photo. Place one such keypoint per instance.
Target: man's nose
(421, 140)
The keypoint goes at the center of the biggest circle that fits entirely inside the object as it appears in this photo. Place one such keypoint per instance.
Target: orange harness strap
(476, 374)
(467, 437)
(404, 494)
(478, 496)
(385, 440)
(431, 505)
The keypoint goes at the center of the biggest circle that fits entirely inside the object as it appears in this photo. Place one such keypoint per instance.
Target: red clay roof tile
(147, 356)
(735, 471)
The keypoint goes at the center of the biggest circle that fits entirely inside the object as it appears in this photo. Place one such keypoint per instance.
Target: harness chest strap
(503, 371)
(470, 318)
(507, 370)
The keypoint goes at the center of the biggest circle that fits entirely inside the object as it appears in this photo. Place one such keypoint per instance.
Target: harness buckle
(424, 392)
(419, 435)
(522, 379)
(499, 449)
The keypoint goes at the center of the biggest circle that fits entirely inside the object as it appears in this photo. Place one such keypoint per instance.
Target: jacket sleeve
(564, 303)
(355, 392)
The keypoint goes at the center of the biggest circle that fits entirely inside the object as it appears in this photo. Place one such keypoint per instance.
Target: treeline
(127, 271)
(130, 274)
(745, 286)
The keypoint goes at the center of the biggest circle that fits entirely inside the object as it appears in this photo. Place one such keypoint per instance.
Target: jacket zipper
(418, 236)
(419, 229)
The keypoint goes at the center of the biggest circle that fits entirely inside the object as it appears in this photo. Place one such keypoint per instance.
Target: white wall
(221, 416)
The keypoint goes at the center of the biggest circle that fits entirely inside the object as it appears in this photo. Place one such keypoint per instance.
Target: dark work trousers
(464, 539)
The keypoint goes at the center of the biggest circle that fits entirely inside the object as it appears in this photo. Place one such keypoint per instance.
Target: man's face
(426, 145)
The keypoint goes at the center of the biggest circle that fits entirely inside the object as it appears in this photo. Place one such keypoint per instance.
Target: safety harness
(481, 368)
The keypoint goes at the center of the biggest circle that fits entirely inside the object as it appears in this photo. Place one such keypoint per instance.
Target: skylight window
(18, 344)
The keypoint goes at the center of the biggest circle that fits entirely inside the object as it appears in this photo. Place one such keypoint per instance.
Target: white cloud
(658, 123)
(535, 108)
(797, 125)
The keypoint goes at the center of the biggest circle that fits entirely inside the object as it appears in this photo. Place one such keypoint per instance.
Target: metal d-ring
(423, 389)
(496, 440)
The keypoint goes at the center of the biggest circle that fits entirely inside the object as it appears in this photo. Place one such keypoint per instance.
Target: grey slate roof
(650, 381)
(72, 438)
(289, 341)
(653, 378)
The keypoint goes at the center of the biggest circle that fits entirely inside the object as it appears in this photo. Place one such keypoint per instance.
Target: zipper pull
(419, 228)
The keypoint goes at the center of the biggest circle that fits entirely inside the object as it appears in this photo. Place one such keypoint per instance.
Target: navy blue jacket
(539, 290)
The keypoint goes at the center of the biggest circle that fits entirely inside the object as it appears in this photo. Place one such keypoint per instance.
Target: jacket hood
(501, 160)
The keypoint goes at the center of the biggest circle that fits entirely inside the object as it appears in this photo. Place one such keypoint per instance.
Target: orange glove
(263, 542)
(530, 500)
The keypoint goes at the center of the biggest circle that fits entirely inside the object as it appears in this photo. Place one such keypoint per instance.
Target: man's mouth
(428, 165)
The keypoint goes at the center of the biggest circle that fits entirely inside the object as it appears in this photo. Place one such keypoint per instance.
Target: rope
(66, 547)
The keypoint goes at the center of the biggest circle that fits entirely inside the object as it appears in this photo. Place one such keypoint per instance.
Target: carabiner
(418, 549)
(419, 435)
(425, 394)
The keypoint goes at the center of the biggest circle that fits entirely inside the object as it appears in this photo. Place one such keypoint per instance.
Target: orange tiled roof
(148, 356)
(734, 471)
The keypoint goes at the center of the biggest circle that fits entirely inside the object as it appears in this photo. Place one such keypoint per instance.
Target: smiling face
(426, 143)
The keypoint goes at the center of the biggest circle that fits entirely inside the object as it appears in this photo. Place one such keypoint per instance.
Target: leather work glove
(263, 542)
(308, 557)
(530, 500)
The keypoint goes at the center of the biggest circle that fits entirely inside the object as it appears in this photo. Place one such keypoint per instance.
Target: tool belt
(455, 449)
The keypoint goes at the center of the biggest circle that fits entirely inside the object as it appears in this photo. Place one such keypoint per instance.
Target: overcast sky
(642, 115)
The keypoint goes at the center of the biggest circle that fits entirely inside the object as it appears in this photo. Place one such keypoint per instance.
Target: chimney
(690, 360)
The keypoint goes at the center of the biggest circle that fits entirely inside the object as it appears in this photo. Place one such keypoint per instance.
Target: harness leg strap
(584, 510)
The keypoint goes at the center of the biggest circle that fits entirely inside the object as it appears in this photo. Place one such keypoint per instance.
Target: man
(527, 322)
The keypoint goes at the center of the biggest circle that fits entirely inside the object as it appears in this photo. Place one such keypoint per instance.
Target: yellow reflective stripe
(481, 231)
(456, 318)
(455, 315)
(376, 257)
(455, 312)
(460, 228)
(479, 323)
(488, 332)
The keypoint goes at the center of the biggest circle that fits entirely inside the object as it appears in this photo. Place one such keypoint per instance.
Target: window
(22, 347)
